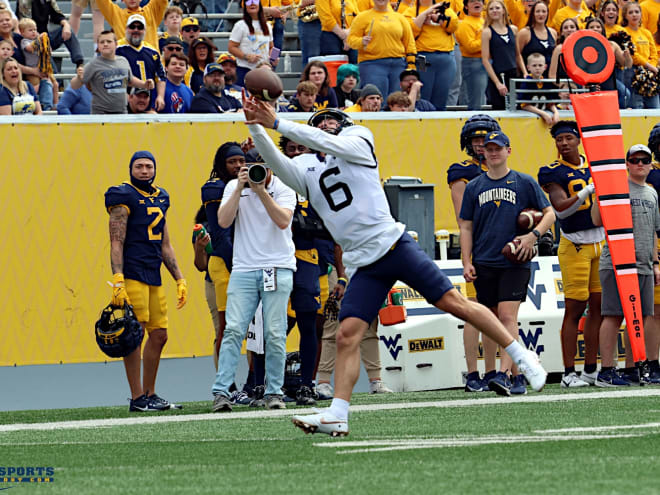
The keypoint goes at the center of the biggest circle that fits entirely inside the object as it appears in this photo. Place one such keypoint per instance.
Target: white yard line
(162, 419)
(600, 428)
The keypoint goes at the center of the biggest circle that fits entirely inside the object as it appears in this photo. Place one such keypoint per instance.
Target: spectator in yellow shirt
(152, 12)
(609, 14)
(468, 36)
(385, 45)
(436, 64)
(336, 18)
(650, 13)
(574, 9)
(645, 55)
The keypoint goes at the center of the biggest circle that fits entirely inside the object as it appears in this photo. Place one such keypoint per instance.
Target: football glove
(119, 294)
(181, 293)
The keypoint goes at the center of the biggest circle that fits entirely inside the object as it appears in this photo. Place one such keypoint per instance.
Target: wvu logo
(531, 340)
(497, 203)
(392, 344)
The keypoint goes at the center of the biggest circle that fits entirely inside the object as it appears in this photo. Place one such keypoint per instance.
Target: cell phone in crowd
(421, 63)
(274, 54)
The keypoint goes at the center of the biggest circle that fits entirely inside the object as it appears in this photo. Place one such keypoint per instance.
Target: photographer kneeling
(263, 265)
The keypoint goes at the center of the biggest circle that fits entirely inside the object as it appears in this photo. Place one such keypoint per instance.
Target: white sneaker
(324, 391)
(379, 387)
(572, 380)
(589, 378)
(322, 422)
(530, 366)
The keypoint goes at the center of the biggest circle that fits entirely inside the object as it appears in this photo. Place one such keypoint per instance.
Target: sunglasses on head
(251, 2)
(136, 27)
(646, 160)
(189, 29)
(174, 48)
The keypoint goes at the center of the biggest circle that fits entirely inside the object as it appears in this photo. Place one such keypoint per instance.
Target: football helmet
(654, 141)
(477, 125)
(118, 332)
(331, 113)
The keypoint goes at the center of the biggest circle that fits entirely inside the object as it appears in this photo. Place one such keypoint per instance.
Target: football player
(489, 213)
(570, 187)
(139, 244)
(652, 333)
(345, 191)
(228, 160)
(473, 134)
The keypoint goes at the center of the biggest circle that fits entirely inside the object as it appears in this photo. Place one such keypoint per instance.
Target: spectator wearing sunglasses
(190, 32)
(251, 39)
(117, 17)
(143, 59)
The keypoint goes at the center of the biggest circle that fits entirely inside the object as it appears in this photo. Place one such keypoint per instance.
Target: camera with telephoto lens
(257, 172)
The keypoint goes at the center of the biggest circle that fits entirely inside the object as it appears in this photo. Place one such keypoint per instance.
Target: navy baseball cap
(499, 138)
(213, 67)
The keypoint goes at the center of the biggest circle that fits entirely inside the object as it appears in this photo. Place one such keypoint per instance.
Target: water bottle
(199, 230)
(287, 63)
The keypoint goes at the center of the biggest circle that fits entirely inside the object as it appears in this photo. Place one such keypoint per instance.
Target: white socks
(339, 408)
(516, 351)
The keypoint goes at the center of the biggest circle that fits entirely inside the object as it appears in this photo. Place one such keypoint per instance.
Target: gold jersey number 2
(159, 216)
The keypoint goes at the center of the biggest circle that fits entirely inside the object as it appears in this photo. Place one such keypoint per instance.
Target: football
(264, 84)
(510, 251)
(528, 219)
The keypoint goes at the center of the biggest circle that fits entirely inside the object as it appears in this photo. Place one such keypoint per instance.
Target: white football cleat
(322, 422)
(572, 380)
(530, 366)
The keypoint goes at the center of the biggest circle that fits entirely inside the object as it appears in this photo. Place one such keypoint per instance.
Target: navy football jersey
(493, 207)
(145, 61)
(654, 178)
(144, 232)
(465, 171)
(221, 239)
(572, 180)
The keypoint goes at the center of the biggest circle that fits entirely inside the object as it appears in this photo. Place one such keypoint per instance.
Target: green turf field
(429, 442)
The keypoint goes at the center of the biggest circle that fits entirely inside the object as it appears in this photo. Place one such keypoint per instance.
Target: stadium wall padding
(55, 254)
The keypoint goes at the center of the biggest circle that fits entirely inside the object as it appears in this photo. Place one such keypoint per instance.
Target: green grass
(268, 455)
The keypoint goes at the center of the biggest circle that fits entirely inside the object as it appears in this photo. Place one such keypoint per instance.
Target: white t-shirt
(344, 189)
(258, 242)
(258, 42)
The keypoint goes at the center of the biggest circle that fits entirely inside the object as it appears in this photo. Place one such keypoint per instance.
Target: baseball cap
(408, 72)
(136, 91)
(189, 21)
(173, 40)
(636, 148)
(499, 138)
(226, 57)
(136, 18)
(213, 67)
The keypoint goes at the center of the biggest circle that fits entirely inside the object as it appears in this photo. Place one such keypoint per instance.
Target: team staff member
(646, 225)
(228, 160)
(489, 212)
(152, 12)
(569, 186)
(385, 45)
(139, 245)
(336, 17)
(144, 61)
(376, 250)
(434, 41)
(473, 135)
(468, 36)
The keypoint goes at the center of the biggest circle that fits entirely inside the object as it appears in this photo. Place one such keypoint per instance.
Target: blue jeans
(331, 44)
(71, 44)
(46, 94)
(278, 33)
(310, 39)
(244, 291)
(638, 101)
(437, 77)
(455, 88)
(216, 7)
(475, 79)
(383, 73)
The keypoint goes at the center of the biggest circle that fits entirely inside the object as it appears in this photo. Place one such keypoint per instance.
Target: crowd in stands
(435, 55)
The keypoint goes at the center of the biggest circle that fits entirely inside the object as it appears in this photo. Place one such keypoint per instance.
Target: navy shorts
(306, 294)
(407, 262)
